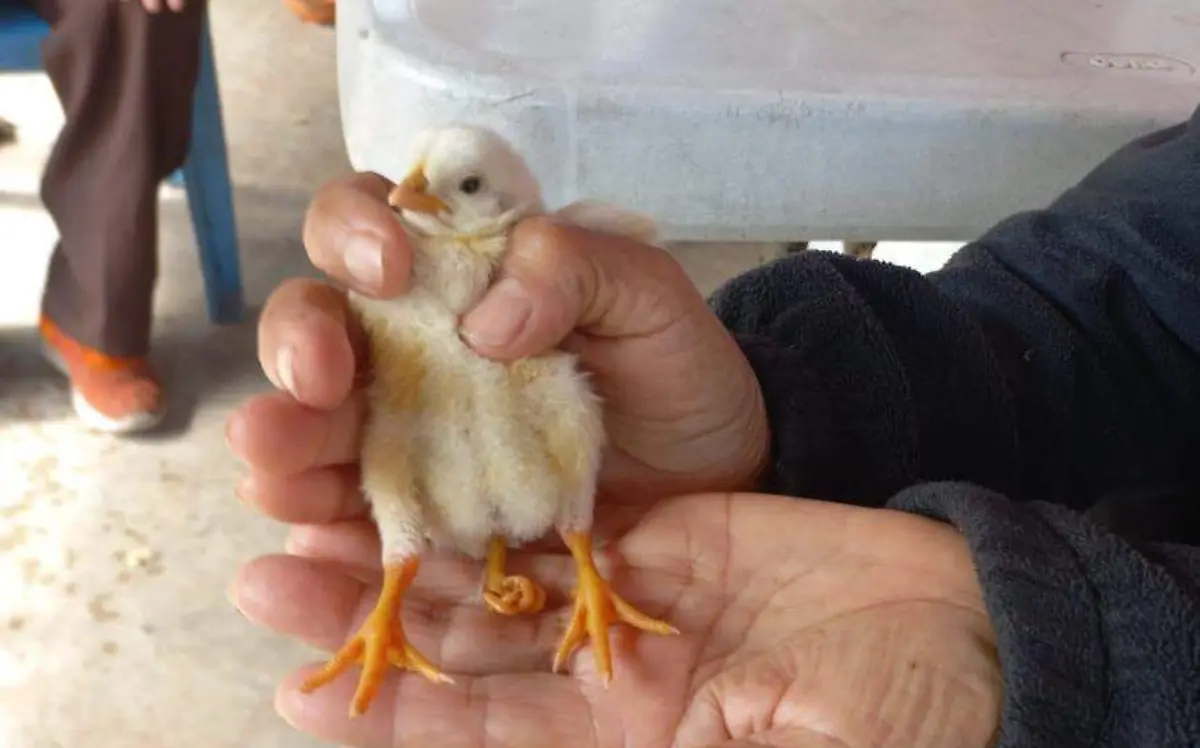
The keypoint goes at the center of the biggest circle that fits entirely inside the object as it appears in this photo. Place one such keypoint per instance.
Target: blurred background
(114, 554)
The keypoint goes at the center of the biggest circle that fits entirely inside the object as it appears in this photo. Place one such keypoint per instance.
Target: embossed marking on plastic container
(1129, 63)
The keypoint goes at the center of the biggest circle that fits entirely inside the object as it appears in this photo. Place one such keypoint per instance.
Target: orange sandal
(317, 12)
(109, 394)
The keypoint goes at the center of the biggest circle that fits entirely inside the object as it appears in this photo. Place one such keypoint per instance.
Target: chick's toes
(597, 606)
(379, 643)
(506, 594)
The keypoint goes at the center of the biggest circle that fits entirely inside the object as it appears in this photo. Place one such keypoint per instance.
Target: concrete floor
(114, 555)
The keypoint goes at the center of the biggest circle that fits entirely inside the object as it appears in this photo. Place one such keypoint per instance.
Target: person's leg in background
(125, 78)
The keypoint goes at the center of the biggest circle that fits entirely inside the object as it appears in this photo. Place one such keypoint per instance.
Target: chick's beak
(411, 194)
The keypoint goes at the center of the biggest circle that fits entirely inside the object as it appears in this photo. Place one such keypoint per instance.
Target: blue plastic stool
(205, 173)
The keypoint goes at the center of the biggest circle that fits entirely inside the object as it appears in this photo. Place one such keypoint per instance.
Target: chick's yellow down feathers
(461, 452)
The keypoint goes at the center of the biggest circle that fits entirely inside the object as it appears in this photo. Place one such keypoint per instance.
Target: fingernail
(364, 260)
(291, 545)
(500, 317)
(231, 596)
(233, 428)
(285, 369)
(244, 488)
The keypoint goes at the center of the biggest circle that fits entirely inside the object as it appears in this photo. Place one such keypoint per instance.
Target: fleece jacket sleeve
(1040, 387)
(1058, 357)
(1099, 637)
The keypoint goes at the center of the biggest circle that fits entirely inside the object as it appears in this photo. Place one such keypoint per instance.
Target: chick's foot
(596, 607)
(379, 643)
(506, 594)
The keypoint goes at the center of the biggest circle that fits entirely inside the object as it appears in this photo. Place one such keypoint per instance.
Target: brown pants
(125, 78)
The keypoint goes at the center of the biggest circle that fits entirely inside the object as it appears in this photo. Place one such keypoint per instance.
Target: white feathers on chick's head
(465, 179)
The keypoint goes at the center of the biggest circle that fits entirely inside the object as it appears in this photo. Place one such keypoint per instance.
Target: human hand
(156, 6)
(803, 624)
(683, 409)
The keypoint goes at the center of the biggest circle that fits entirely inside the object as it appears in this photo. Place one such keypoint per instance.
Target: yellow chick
(461, 452)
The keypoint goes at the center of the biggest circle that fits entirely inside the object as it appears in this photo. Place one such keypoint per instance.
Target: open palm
(803, 624)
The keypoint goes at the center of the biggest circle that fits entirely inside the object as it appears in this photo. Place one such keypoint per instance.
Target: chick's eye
(470, 185)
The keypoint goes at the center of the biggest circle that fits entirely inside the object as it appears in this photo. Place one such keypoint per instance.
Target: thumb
(558, 278)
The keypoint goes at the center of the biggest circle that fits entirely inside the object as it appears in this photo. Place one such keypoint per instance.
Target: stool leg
(210, 197)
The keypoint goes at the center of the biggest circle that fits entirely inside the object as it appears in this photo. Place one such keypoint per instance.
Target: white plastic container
(777, 120)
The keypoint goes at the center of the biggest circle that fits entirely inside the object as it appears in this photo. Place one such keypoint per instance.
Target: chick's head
(466, 181)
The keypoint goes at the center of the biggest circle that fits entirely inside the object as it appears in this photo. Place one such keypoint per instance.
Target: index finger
(352, 235)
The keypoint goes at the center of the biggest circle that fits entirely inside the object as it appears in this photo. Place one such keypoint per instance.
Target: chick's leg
(570, 422)
(379, 643)
(506, 594)
(597, 606)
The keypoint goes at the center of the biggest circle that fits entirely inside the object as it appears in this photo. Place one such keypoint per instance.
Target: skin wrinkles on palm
(781, 617)
(754, 617)
(442, 618)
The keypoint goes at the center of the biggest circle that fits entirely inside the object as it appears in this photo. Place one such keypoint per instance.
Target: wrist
(954, 568)
(1048, 623)
(962, 631)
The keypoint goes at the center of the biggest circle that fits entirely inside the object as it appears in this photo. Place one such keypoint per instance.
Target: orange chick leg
(379, 643)
(596, 607)
(504, 594)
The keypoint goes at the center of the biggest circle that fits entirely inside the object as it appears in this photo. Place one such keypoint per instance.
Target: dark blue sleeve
(1098, 636)
(1042, 393)
(1055, 358)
